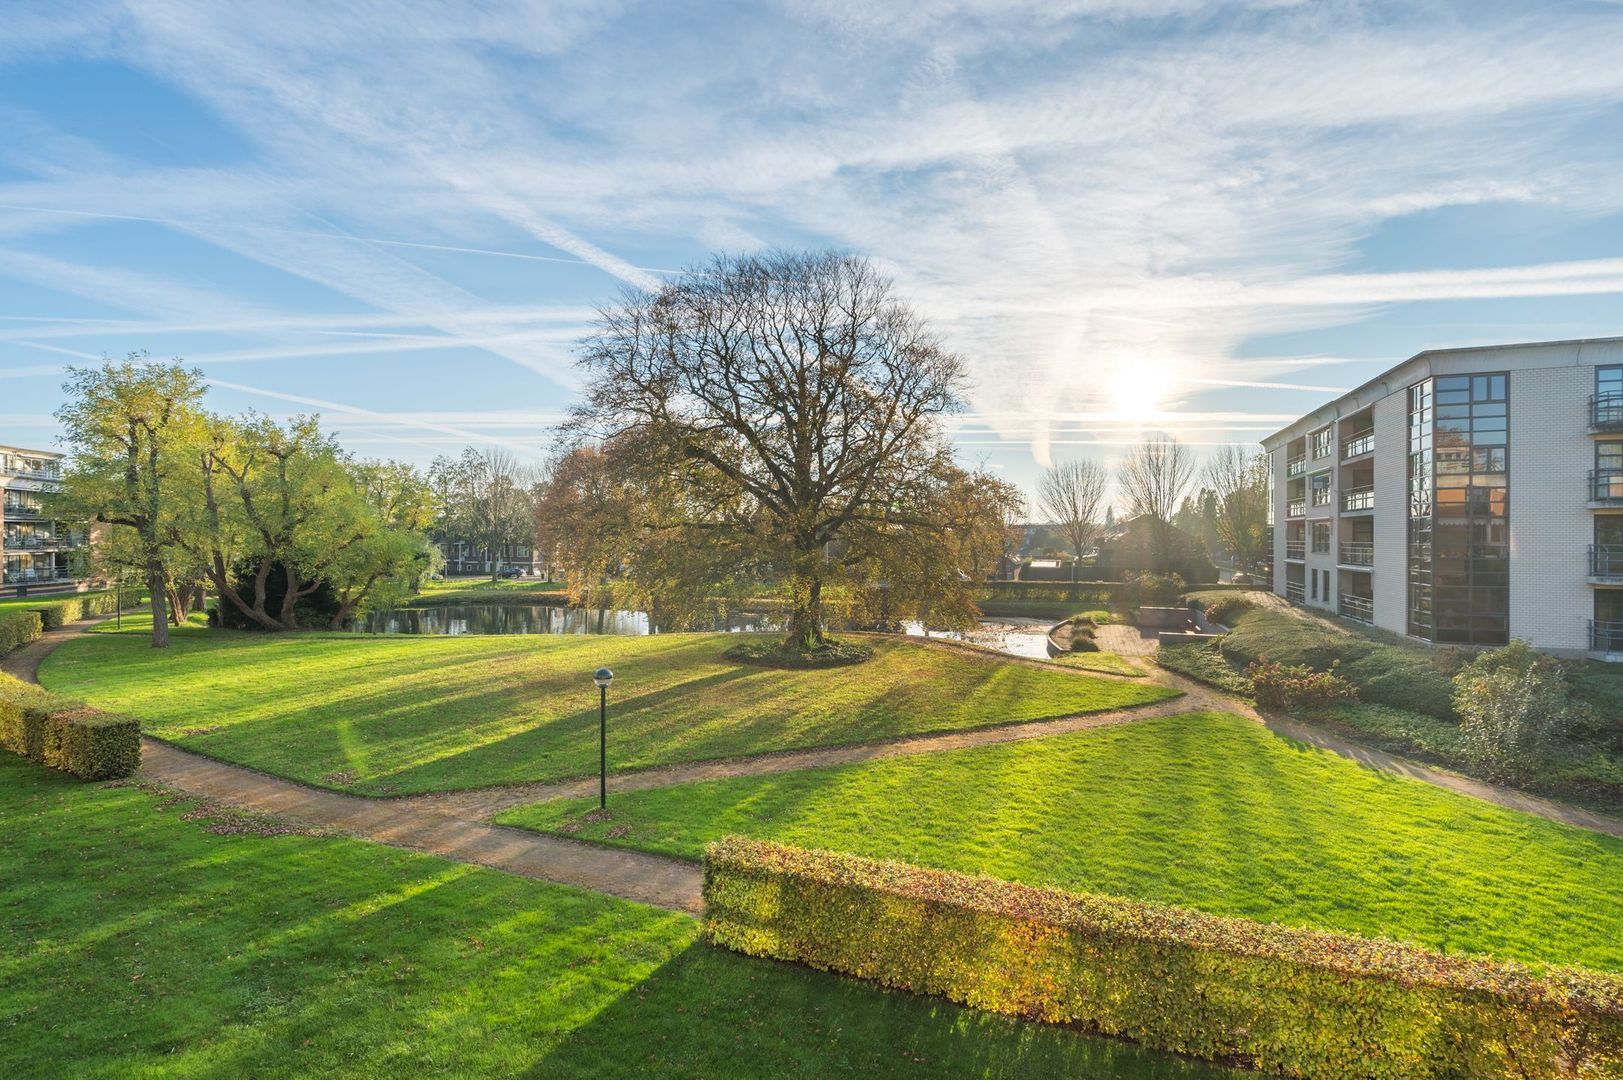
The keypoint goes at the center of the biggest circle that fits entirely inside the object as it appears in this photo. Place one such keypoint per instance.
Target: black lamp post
(602, 677)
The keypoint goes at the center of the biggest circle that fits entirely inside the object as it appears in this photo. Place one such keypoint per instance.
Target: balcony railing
(36, 577)
(1296, 466)
(1295, 590)
(1606, 636)
(1606, 561)
(1606, 412)
(1606, 486)
(1296, 508)
(20, 512)
(1358, 608)
(1358, 499)
(35, 543)
(1295, 549)
(1358, 553)
(1358, 445)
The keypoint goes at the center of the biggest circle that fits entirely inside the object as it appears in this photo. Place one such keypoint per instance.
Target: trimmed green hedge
(70, 609)
(66, 735)
(18, 628)
(1292, 1001)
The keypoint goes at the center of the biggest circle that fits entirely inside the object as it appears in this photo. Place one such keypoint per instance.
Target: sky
(1197, 216)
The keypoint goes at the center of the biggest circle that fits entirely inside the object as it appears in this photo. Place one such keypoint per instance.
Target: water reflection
(1018, 636)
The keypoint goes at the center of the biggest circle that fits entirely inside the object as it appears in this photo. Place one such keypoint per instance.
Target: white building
(1466, 496)
(36, 553)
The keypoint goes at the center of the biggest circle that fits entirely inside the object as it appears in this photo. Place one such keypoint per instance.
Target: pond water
(1018, 636)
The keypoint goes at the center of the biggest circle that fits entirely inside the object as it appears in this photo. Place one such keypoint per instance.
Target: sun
(1136, 393)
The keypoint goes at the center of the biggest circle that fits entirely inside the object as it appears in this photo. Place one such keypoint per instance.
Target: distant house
(1135, 549)
(37, 554)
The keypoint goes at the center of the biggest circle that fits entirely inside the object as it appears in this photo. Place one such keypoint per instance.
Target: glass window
(1322, 442)
(1609, 381)
(1319, 485)
(1321, 536)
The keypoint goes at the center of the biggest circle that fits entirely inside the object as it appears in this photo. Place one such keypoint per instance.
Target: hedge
(58, 613)
(1285, 1000)
(66, 735)
(18, 628)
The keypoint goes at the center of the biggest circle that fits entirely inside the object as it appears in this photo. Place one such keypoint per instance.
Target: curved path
(455, 825)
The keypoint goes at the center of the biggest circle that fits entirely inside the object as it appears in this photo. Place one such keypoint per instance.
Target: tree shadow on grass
(710, 1012)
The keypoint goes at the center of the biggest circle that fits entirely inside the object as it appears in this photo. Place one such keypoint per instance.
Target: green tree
(124, 424)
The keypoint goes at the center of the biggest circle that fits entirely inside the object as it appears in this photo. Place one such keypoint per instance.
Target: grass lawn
(1109, 663)
(134, 942)
(34, 600)
(474, 590)
(411, 714)
(1206, 810)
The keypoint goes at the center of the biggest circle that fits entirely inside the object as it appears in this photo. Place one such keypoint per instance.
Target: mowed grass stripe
(398, 715)
(1207, 810)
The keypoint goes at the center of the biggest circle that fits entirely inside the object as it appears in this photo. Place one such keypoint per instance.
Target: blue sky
(1194, 215)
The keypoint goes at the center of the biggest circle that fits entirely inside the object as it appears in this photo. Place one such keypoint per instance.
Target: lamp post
(602, 677)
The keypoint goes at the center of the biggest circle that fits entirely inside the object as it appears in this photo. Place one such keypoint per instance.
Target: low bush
(1290, 686)
(1514, 708)
(1149, 588)
(1226, 608)
(1293, 1001)
(18, 628)
(1082, 631)
(66, 735)
(775, 652)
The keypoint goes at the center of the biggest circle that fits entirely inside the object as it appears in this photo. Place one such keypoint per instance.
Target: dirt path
(455, 825)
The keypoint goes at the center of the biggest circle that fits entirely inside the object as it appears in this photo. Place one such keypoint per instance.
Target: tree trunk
(157, 586)
(805, 629)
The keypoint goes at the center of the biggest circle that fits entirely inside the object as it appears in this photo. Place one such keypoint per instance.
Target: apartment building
(1465, 496)
(36, 553)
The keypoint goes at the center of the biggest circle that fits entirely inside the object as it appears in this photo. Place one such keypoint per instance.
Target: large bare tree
(1154, 478)
(1072, 495)
(787, 402)
(1239, 480)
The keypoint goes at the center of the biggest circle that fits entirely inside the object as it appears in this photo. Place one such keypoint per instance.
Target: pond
(1017, 636)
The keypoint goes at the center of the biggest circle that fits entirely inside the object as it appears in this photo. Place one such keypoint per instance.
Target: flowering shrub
(1289, 686)
(1284, 1000)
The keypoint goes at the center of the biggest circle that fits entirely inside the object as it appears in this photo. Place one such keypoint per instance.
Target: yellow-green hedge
(66, 735)
(56, 614)
(18, 628)
(1292, 1001)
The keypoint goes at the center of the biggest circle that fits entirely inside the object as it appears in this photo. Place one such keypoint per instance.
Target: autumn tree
(123, 423)
(788, 405)
(1153, 479)
(1072, 495)
(1239, 481)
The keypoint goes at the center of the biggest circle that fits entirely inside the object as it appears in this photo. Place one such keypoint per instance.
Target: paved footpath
(455, 825)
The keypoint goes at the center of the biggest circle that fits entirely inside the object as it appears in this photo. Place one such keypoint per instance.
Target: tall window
(1420, 508)
(1319, 487)
(1321, 537)
(1322, 442)
(1608, 471)
(1470, 565)
(1609, 383)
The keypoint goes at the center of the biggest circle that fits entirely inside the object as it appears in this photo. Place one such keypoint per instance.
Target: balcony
(1359, 445)
(19, 512)
(1606, 564)
(1357, 499)
(1606, 487)
(1296, 466)
(35, 543)
(1296, 549)
(1606, 637)
(1357, 608)
(1295, 591)
(1606, 412)
(1357, 553)
(1296, 508)
(35, 577)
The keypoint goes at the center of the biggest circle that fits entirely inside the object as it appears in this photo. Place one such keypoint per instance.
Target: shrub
(1082, 631)
(1203, 661)
(1290, 686)
(1285, 1000)
(1225, 609)
(1149, 588)
(66, 735)
(776, 652)
(1514, 707)
(18, 628)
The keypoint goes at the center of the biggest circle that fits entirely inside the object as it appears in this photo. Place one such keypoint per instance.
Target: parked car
(511, 571)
